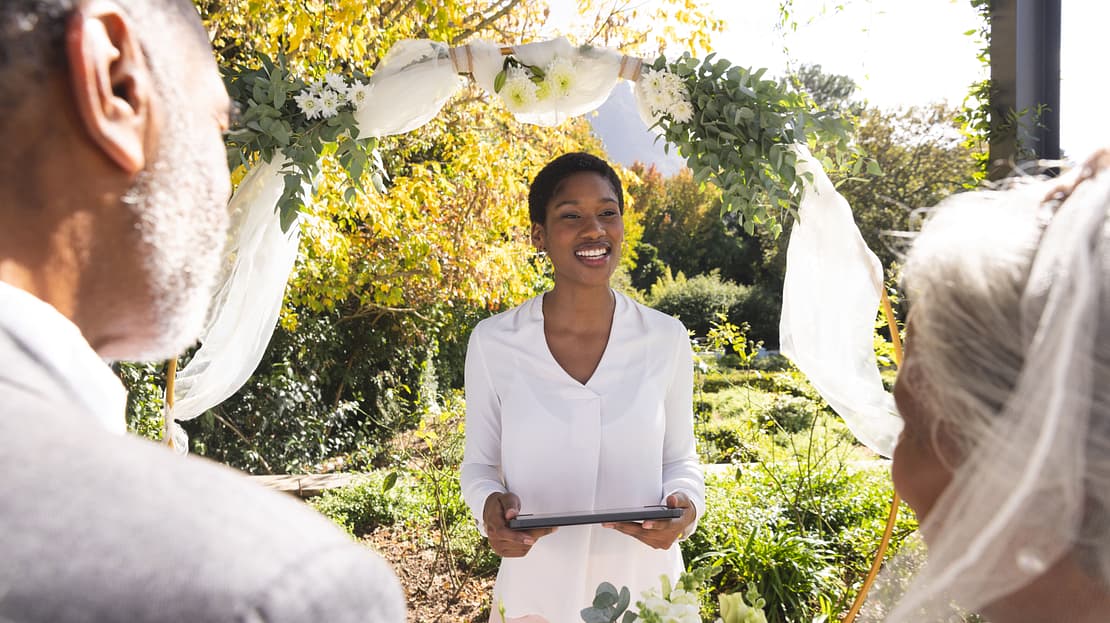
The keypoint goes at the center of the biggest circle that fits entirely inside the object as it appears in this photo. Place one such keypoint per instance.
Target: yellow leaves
(302, 25)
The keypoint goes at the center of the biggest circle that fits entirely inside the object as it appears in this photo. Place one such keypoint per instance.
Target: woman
(1005, 395)
(579, 399)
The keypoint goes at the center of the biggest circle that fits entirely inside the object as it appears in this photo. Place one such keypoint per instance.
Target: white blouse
(624, 438)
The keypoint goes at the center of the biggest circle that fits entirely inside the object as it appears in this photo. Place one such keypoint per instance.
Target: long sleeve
(681, 466)
(480, 475)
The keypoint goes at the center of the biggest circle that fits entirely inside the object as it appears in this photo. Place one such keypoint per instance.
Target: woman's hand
(506, 542)
(661, 533)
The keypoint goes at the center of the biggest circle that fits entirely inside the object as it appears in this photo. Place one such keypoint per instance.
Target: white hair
(1009, 335)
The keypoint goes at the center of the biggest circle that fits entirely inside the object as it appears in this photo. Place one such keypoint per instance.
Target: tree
(828, 91)
(924, 158)
(685, 230)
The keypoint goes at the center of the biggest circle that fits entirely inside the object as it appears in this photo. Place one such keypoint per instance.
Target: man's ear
(538, 237)
(111, 82)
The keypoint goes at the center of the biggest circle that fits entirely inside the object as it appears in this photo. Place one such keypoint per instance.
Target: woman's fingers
(506, 542)
(660, 536)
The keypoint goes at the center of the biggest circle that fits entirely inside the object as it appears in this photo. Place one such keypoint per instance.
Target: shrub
(801, 530)
(696, 301)
(760, 307)
(790, 414)
(727, 441)
(366, 505)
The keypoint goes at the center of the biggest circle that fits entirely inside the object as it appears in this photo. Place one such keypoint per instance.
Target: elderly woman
(579, 399)
(1005, 395)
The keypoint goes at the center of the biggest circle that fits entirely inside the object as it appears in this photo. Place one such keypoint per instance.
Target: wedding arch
(744, 133)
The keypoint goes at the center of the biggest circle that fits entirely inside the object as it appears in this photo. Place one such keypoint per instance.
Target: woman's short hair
(547, 181)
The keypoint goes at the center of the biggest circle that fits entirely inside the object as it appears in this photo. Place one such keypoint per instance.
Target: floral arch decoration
(745, 133)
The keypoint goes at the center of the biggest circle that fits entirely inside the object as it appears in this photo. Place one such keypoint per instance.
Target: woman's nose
(592, 227)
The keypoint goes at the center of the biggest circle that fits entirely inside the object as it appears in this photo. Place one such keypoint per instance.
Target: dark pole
(1025, 80)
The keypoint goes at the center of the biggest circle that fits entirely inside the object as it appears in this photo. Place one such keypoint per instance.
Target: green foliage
(684, 230)
(326, 389)
(145, 384)
(800, 531)
(697, 301)
(828, 91)
(700, 301)
(724, 336)
(273, 122)
(740, 135)
(728, 441)
(359, 508)
(924, 159)
(974, 116)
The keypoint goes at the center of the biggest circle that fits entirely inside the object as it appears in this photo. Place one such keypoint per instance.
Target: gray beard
(182, 224)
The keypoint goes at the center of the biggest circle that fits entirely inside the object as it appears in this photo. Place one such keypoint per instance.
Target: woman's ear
(539, 237)
(112, 85)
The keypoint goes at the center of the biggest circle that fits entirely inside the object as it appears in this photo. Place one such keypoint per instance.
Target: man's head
(113, 179)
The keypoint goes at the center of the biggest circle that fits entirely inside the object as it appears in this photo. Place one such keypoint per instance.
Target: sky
(911, 52)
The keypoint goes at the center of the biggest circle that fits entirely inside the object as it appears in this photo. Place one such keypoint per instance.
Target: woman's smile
(594, 255)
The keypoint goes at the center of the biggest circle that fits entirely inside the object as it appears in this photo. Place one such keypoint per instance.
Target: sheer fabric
(830, 297)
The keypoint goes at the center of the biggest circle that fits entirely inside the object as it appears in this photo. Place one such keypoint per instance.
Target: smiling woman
(578, 400)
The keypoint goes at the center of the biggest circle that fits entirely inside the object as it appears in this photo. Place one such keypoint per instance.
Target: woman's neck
(579, 306)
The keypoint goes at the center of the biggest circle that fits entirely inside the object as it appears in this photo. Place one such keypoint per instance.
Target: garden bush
(801, 531)
(367, 504)
(761, 308)
(696, 301)
(727, 441)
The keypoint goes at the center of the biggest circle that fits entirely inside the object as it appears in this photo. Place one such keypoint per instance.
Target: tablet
(636, 513)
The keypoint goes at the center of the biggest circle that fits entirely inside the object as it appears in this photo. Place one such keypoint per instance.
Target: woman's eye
(571, 215)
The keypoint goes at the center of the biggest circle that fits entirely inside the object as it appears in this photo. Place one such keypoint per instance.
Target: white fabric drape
(829, 301)
(596, 73)
(247, 303)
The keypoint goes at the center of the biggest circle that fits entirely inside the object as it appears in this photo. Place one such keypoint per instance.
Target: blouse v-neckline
(604, 353)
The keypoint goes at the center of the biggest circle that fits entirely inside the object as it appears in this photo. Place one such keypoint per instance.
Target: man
(113, 190)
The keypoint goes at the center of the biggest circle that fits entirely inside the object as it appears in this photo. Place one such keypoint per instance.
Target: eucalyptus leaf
(593, 615)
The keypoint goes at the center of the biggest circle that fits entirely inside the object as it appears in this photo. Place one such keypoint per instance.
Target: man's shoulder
(97, 527)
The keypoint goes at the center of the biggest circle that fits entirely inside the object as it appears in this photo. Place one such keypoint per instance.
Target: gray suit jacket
(99, 528)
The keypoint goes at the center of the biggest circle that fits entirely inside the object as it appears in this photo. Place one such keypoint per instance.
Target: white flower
(309, 103)
(336, 82)
(682, 111)
(561, 76)
(519, 92)
(672, 85)
(664, 93)
(359, 94)
(652, 80)
(330, 101)
(543, 90)
(657, 101)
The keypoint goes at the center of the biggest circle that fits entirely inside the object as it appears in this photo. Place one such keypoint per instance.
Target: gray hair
(972, 323)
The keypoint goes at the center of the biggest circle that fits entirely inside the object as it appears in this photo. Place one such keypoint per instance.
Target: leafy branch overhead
(735, 128)
(304, 122)
(740, 133)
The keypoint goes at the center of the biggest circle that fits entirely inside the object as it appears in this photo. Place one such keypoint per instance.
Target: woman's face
(583, 230)
(920, 474)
